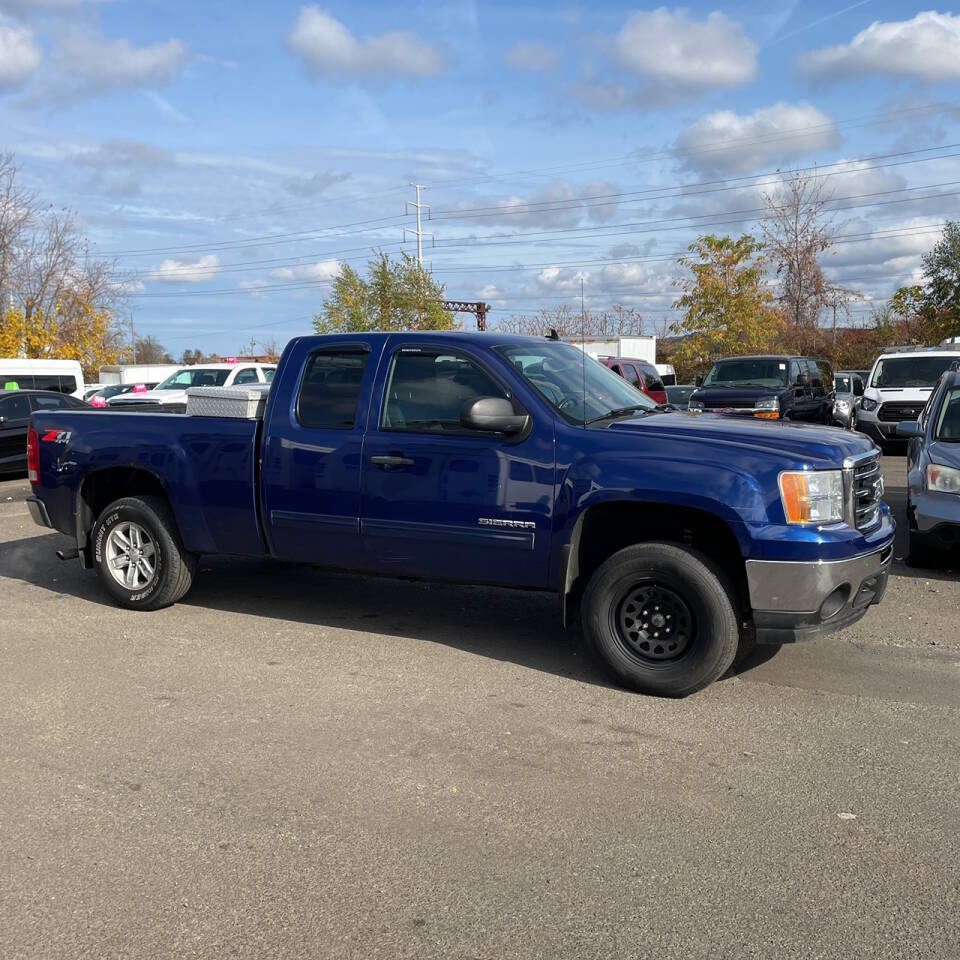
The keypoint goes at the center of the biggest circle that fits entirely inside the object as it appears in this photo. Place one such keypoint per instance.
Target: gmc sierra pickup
(490, 459)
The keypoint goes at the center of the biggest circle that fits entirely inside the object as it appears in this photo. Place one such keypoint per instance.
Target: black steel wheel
(661, 618)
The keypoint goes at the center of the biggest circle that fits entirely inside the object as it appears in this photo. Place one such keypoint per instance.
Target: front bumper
(801, 600)
(934, 513)
(883, 431)
(38, 512)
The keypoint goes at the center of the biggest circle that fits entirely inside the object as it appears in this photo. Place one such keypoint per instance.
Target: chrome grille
(867, 487)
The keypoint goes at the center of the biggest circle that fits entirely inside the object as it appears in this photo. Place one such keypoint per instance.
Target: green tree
(395, 295)
(941, 272)
(727, 307)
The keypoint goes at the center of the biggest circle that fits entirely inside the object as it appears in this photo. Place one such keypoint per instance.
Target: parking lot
(291, 763)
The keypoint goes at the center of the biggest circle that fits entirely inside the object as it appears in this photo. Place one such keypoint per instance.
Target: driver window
(427, 390)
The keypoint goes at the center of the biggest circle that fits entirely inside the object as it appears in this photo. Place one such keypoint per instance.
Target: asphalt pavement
(295, 764)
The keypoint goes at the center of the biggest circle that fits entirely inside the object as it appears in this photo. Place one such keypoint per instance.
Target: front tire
(661, 619)
(139, 555)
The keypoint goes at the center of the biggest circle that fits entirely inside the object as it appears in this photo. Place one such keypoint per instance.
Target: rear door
(14, 420)
(445, 502)
(310, 472)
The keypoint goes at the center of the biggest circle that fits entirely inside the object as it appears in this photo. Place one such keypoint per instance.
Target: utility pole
(133, 339)
(418, 206)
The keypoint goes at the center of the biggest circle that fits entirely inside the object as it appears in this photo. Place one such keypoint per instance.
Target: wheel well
(609, 527)
(100, 489)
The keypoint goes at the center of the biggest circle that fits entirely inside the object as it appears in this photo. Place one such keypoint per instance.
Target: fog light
(835, 602)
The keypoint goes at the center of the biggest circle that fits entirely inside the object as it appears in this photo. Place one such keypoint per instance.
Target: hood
(734, 396)
(801, 443)
(946, 454)
(150, 396)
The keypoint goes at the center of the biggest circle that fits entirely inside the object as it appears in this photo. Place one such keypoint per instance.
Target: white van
(899, 387)
(64, 376)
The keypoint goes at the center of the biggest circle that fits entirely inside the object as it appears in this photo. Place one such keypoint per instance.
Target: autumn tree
(941, 273)
(726, 304)
(394, 295)
(150, 350)
(798, 232)
(57, 299)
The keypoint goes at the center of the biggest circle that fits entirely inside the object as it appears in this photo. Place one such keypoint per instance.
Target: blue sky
(233, 155)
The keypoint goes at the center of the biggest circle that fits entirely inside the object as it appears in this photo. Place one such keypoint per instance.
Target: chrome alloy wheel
(131, 555)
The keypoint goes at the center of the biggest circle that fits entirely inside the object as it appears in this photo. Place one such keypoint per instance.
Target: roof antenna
(583, 348)
(553, 335)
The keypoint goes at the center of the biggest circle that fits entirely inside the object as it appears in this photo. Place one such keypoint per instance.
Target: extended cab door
(443, 501)
(310, 471)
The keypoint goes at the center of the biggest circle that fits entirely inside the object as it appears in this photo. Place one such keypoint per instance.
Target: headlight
(867, 404)
(812, 496)
(695, 405)
(768, 408)
(943, 479)
(843, 405)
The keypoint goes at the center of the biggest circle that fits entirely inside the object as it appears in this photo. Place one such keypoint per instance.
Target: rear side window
(632, 376)
(50, 403)
(58, 382)
(247, 375)
(14, 408)
(330, 390)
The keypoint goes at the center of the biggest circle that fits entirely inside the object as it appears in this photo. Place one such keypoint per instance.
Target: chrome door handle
(392, 461)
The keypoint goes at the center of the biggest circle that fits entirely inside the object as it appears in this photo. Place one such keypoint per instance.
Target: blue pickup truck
(481, 458)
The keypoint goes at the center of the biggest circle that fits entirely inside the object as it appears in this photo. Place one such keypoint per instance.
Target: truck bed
(206, 465)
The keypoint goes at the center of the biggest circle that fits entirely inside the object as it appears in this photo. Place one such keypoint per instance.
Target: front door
(443, 501)
(311, 464)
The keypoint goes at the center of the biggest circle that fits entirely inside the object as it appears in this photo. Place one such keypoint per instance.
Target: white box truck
(136, 373)
(634, 348)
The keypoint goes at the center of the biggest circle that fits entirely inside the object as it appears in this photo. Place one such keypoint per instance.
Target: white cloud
(925, 48)
(561, 204)
(671, 49)
(87, 64)
(624, 275)
(19, 56)
(196, 270)
(536, 56)
(321, 270)
(329, 49)
(728, 142)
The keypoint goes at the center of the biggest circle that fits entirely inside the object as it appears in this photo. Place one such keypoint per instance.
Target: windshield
(114, 390)
(195, 377)
(910, 371)
(844, 384)
(769, 372)
(578, 391)
(948, 426)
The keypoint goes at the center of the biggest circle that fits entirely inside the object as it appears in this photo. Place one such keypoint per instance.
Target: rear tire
(661, 619)
(139, 555)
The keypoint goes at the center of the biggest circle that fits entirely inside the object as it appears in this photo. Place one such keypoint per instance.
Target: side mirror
(493, 415)
(699, 380)
(909, 428)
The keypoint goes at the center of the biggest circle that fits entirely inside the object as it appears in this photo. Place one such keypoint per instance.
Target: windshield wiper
(619, 412)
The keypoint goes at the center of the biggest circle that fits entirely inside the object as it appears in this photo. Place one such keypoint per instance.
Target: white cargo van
(64, 376)
(899, 387)
(122, 373)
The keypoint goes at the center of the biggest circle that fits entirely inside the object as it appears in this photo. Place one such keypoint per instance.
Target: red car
(641, 373)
